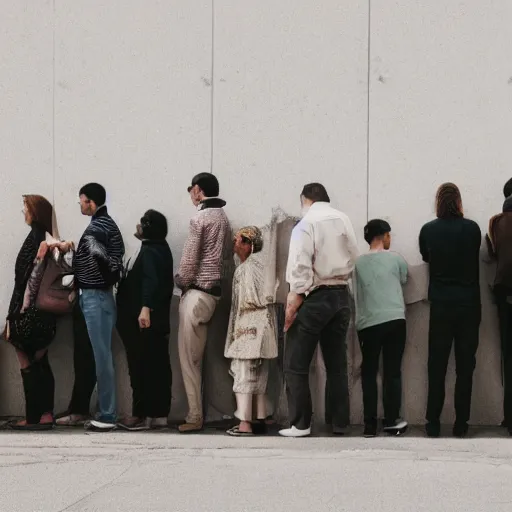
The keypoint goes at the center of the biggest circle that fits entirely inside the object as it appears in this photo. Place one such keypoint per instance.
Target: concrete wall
(380, 104)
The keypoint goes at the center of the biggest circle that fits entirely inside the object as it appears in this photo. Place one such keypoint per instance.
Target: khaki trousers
(196, 310)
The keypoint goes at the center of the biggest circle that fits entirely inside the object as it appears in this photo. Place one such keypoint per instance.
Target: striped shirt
(205, 249)
(99, 257)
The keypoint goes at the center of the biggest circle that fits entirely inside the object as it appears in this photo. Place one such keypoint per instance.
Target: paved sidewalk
(164, 471)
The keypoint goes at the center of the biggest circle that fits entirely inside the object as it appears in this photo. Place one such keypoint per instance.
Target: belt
(329, 287)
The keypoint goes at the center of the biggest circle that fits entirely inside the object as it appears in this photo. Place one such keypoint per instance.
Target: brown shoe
(191, 428)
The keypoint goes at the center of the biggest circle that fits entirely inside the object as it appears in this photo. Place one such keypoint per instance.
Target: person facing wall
(451, 246)
(143, 323)
(252, 335)
(323, 251)
(499, 244)
(199, 278)
(380, 323)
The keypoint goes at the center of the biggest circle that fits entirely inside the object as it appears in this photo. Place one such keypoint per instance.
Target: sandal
(236, 432)
(23, 425)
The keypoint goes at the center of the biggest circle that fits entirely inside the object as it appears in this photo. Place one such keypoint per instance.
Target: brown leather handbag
(53, 295)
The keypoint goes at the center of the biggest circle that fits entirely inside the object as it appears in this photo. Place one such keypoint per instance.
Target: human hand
(145, 318)
(63, 247)
(293, 304)
(7, 331)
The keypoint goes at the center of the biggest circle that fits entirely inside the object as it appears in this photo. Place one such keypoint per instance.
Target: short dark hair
(449, 202)
(376, 228)
(507, 189)
(315, 192)
(94, 192)
(207, 182)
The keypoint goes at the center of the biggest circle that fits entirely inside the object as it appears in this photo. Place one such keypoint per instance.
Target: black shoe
(395, 428)
(370, 430)
(433, 429)
(259, 428)
(460, 430)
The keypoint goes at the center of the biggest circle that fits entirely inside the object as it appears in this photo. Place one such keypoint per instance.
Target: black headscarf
(154, 225)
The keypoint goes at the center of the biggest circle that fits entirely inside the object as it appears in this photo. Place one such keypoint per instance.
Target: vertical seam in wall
(212, 90)
(368, 114)
(53, 102)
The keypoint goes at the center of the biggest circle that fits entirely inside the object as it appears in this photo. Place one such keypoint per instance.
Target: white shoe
(295, 432)
(159, 423)
(99, 426)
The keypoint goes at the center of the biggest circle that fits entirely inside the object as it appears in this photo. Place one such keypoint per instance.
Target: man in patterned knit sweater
(199, 278)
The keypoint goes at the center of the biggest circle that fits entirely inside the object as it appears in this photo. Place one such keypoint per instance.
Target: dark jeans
(147, 352)
(505, 323)
(389, 338)
(459, 325)
(84, 366)
(324, 317)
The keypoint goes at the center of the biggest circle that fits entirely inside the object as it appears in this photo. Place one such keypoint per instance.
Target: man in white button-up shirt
(323, 251)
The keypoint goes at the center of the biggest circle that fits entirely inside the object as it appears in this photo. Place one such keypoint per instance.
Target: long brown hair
(40, 210)
(449, 202)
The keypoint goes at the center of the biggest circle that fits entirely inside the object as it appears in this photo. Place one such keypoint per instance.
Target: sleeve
(23, 269)
(478, 236)
(251, 293)
(490, 238)
(299, 271)
(404, 270)
(149, 280)
(353, 250)
(191, 257)
(423, 246)
(107, 249)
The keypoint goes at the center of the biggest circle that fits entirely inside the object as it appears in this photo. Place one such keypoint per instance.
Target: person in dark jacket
(143, 304)
(451, 246)
(97, 266)
(499, 244)
(28, 329)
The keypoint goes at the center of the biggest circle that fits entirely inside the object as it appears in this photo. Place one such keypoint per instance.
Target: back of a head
(154, 226)
(507, 189)
(41, 211)
(376, 228)
(449, 202)
(208, 183)
(315, 192)
(94, 192)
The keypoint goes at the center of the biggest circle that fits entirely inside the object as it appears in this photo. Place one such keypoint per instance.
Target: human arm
(403, 269)
(189, 264)
(352, 247)
(299, 272)
(423, 245)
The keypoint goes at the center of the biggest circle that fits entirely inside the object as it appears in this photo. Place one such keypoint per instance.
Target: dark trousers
(389, 338)
(459, 325)
(147, 352)
(505, 323)
(323, 317)
(39, 389)
(84, 366)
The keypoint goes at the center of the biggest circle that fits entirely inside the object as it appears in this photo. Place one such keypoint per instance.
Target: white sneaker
(99, 426)
(295, 432)
(159, 423)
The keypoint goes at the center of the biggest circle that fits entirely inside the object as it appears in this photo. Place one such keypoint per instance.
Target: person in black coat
(143, 308)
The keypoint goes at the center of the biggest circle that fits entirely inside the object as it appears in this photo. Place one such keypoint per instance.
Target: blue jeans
(99, 309)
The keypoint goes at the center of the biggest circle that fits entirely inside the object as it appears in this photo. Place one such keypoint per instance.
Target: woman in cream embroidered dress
(251, 339)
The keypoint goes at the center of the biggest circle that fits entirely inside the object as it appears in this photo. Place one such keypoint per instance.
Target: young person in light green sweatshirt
(380, 322)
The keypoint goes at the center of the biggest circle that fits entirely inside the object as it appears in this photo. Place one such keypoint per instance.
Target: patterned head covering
(254, 236)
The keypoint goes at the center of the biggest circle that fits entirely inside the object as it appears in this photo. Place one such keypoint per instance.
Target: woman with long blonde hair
(28, 329)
